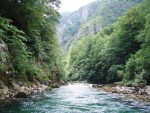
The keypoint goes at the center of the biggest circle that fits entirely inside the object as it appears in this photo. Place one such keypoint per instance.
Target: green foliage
(91, 19)
(119, 52)
(29, 34)
(17, 50)
(113, 75)
(137, 67)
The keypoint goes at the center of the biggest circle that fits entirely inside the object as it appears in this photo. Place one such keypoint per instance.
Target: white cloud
(72, 5)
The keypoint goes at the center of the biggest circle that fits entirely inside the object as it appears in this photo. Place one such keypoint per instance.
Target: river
(77, 98)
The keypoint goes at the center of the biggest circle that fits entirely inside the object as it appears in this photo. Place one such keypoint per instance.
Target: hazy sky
(72, 5)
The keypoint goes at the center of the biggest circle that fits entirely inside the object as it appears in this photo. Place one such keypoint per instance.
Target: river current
(77, 98)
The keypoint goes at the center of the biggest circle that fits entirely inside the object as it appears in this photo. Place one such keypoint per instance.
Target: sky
(73, 5)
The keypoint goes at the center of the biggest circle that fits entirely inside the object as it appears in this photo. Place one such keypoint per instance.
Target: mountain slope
(91, 19)
(118, 53)
(70, 23)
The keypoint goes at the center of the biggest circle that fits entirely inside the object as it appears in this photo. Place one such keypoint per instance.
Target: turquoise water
(78, 98)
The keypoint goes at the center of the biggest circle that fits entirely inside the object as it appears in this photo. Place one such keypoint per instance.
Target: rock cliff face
(91, 19)
(92, 29)
(3, 51)
(3, 60)
(85, 14)
(70, 23)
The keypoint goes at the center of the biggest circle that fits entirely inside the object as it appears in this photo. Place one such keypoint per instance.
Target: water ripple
(78, 98)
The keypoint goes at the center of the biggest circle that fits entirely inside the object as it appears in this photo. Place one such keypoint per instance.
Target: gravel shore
(140, 93)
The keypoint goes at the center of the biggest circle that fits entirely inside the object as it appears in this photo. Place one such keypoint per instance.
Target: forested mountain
(91, 19)
(29, 49)
(119, 52)
(109, 43)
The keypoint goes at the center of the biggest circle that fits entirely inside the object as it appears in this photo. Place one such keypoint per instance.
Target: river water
(77, 98)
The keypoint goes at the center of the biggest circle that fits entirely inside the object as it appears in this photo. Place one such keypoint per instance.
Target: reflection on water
(77, 98)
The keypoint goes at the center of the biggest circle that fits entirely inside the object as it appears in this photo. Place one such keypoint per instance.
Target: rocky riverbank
(140, 93)
(23, 89)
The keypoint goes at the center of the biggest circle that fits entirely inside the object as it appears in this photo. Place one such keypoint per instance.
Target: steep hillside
(118, 53)
(70, 23)
(29, 49)
(91, 19)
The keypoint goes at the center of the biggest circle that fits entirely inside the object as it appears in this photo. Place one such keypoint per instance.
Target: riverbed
(76, 98)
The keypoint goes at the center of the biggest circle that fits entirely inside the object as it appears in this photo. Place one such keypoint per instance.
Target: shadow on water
(77, 98)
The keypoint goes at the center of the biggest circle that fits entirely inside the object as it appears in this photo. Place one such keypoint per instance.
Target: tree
(30, 34)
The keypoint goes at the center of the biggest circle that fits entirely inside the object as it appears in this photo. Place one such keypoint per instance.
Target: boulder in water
(21, 95)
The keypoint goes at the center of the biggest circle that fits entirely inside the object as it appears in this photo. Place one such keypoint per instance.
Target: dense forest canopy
(29, 49)
(120, 52)
(106, 44)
